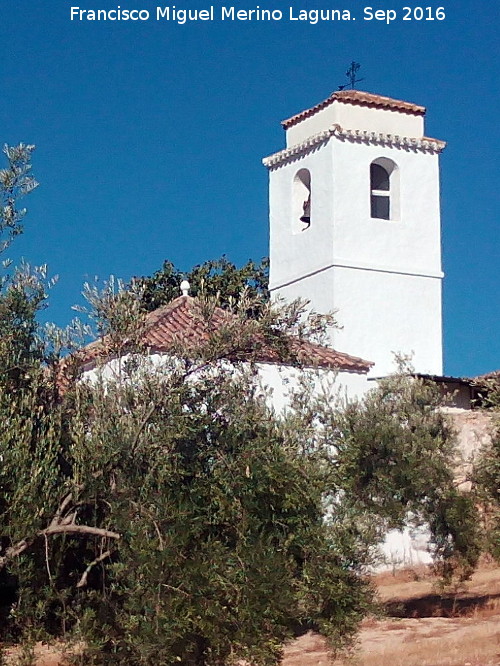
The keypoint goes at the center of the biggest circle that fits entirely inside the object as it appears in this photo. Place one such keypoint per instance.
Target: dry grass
(425, 644)
(430, 629)
(431, 642)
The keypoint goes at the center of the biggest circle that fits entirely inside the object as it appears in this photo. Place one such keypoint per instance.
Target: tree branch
(142, 425)
(13, 551)
(22, 545)
(79, 529)
(62, 507)
(83, 580)
(47, 562)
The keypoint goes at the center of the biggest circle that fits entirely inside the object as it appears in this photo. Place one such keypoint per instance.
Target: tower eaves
(357, 98)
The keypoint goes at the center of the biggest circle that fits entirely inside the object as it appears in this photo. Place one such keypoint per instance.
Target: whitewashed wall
(351, 116)
(280, 382)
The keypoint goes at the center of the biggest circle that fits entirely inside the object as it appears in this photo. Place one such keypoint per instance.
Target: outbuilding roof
(359, 98)
(494, 375)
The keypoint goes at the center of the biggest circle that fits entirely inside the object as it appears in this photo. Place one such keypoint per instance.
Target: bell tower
(355, 225)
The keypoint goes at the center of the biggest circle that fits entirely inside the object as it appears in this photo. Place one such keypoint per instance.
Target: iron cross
(351, 75)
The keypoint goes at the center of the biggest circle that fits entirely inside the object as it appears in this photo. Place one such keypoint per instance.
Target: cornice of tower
(421, 144)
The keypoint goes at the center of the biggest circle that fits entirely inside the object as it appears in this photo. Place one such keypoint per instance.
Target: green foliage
(224, 548)
(169, 517)
(394, 462)
(216, 278)
(21, 294)
(15, 182)
(486, 476)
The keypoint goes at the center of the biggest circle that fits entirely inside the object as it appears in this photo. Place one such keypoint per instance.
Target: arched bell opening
(384, 189)
(302, 208)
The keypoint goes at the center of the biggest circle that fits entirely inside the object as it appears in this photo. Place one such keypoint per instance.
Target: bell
(306, 216)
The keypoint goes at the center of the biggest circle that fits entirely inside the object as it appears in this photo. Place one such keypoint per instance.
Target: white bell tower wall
(305, 249)
(371, 247)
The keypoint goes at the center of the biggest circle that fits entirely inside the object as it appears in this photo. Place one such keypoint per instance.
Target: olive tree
(486, 472)
(170, 515)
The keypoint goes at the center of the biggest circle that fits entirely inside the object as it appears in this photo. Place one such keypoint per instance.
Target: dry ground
(423, 628)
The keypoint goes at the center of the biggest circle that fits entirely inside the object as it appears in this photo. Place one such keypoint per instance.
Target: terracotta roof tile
(359, 98)
(181, 321)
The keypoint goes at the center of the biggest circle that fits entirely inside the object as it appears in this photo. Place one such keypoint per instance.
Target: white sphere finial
(185, 286)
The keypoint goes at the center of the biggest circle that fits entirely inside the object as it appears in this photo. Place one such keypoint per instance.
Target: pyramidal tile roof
(359, 98)
(182, 322)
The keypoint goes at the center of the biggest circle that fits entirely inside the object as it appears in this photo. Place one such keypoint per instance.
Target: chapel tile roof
(359, 98)
(181, 322)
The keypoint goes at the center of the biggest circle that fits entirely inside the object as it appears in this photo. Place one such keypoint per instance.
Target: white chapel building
(355, 226)
(355, 229)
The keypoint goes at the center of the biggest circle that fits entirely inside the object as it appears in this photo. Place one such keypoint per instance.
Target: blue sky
(150, 137)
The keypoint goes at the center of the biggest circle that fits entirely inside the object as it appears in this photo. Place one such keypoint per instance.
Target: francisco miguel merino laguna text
(182, 16)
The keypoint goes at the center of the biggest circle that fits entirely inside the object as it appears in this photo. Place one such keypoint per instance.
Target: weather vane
(351, 75)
